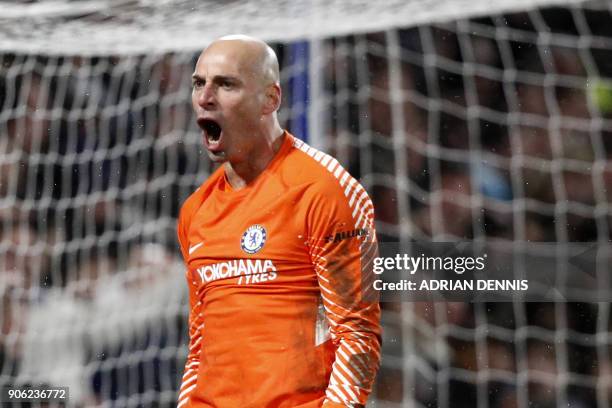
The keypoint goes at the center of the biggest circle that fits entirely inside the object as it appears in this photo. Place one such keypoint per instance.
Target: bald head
(253, 56)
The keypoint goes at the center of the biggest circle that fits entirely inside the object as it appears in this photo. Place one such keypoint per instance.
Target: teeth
(211, 130)
(212, 140)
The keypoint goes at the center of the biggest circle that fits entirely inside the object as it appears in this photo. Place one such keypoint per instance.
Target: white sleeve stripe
(331, 394)
(330, 318)
(358, 336)
(359, 221)
(361, 348)
(332, 165)
(366, 201)
(343, 179)
(360, 187)
(341, 391)
(362, 196)
(186, 391)
(328, 306)
(196, 337)
(197, 342)
(352, 199)
(334, 317)
(361, 204)
(325, 289)
(358, 361)
(332, 322)
(349, 391)
(352, 363)
(311, 151)
(366, 222)
(328, 310)
(181, 403)
(344, 372)
(192, 325)
(193, 329)
(363, 212)
(340, 385)
(369, 214)
(189, 380)
(198, 328)
(360, 341)
(187, 373)
(348, 350)
(350, 185)
(358, 205)
(335, 388)
(326, 159)
(323, 278)
(327, 302)
(331, 302)
(358, 190)
(329, 398)
(367, 204)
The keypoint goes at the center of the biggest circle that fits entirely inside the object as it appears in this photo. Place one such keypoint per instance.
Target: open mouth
(211, 129)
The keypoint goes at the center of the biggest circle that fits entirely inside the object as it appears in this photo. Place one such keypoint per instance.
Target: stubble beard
(217, 157)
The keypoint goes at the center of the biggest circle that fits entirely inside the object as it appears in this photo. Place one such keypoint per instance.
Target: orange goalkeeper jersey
(278, 317)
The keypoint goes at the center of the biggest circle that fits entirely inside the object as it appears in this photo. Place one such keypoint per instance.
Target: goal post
(464, 120)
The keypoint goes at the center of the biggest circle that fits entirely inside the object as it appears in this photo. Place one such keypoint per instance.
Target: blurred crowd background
(489, 129)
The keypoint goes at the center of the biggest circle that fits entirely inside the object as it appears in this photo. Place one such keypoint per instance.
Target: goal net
(464, 120)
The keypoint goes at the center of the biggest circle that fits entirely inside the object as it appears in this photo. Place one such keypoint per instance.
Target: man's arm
(196, 325)
(343, 245)
(192, 365)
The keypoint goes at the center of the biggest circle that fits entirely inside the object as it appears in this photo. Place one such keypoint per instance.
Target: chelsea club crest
(253, 239)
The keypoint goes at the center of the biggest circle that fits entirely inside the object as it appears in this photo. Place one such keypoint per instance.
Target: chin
(217, 157)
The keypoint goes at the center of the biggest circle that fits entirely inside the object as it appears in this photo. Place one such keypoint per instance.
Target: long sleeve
(190, 375)
(196, 326)
(343, 244)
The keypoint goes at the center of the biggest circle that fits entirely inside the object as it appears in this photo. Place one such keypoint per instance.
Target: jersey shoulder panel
(326, 176)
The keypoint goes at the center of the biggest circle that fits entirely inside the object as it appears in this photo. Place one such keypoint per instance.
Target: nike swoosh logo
(193, 248)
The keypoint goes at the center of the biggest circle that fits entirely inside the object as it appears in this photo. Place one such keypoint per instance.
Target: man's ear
(273, 98)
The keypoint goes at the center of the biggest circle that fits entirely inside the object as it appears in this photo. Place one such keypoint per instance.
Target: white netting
(94, 27)
(461, 121)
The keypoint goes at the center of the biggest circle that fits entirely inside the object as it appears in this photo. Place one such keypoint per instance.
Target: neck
(241, 174)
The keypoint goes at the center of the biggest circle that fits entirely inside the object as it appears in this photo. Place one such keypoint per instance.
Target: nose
(207, 97)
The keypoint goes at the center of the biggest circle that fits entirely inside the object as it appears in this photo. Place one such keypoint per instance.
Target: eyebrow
(217, 78)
